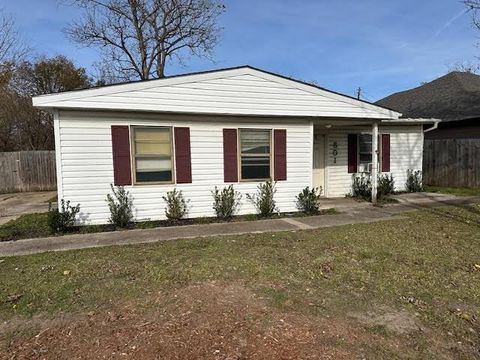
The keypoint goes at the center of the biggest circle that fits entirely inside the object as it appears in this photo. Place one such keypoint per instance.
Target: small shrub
(362, 187)
(120, 205)
(414, 181)
(62, 219)
(176, 205)
(386, 185)
(263, 200)
(225, 202)
(308, 200)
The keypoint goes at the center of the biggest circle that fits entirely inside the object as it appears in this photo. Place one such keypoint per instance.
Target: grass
(458, 191)
(426, 264)
(36, 225)
(26, 226)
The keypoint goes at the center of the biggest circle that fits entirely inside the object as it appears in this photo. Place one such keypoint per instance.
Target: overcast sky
(382, 46)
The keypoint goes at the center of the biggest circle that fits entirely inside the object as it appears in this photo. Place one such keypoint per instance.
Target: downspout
(433, 127)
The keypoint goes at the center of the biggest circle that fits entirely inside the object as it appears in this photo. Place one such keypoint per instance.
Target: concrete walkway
(16, 204)
(352, 212)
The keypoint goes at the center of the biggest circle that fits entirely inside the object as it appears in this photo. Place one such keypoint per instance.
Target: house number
(335, 152)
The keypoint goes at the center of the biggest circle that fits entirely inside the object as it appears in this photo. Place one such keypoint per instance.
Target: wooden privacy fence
(452, 162)
(27, 171)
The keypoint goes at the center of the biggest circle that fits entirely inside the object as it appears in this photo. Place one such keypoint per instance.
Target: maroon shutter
(183, 159)
(122, 172)
(280, 154)
(230, 160)
(385, 153)
(352, 153)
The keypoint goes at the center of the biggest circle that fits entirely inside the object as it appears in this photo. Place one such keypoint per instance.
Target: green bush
(263, 200)
(414, 181)
(362, 187)
(386, 185)
(120, 206)
(61, 220)
(225, 202)
(176, 205)
(308, 200)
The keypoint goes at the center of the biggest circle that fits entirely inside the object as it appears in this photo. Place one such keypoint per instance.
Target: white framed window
(365, 153)
(255, 155)
(152, 154)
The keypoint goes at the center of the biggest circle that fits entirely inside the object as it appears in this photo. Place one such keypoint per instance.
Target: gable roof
(234, 91)
(455, 96)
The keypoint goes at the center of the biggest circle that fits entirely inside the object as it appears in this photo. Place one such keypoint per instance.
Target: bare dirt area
(204, 321)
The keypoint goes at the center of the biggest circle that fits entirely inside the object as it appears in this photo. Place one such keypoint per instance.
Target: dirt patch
(400, 322)
(205, 321)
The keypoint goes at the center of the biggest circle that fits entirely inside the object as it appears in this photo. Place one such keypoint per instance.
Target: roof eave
(412, 121)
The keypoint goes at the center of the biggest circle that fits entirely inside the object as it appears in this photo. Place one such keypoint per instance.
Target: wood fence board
(452, 162)
(27, 171)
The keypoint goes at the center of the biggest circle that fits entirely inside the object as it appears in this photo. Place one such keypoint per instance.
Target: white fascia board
(412, 121)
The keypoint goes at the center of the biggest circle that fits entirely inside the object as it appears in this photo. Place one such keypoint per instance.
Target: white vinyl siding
(85, 154)
(406, 152)
(242, 91)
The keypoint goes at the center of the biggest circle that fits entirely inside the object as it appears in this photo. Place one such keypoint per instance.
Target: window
(364, 152)
(152, 151)
(255, 154)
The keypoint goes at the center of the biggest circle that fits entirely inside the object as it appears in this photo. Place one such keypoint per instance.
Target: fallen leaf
(14, 298)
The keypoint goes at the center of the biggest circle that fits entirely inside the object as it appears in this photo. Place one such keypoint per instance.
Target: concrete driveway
(16, 204)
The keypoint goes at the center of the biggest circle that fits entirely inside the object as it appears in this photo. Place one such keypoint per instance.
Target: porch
(341, 149)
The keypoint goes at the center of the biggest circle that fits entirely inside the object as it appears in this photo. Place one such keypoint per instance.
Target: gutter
(418, 121)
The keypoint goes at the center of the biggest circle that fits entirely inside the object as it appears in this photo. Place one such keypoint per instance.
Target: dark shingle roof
(455, 96)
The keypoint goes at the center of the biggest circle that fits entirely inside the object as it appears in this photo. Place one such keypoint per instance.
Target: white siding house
(177, 137)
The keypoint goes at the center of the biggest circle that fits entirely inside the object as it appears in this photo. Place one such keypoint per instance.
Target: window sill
(254, 180)
(154, 183)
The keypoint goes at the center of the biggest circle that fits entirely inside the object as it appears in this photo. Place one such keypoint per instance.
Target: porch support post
(374, 162)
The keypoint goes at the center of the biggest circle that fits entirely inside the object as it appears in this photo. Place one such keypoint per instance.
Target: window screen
(153, 154)
(255, 154)
(364, 152)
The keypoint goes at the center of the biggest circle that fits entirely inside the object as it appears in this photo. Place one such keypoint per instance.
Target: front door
(319, 162)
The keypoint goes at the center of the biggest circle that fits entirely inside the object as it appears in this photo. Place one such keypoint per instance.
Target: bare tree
(12, 47)
(466, 66)
(138, 37)
(474, 7)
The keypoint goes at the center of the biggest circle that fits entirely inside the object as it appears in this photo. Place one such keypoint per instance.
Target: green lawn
(35, 225)
(426, 265)
(458, 191)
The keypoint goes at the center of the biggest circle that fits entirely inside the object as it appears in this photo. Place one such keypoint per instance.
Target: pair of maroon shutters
(353, 155)
(122, 170)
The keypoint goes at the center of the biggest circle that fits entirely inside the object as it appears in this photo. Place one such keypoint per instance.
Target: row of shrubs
(362, 185)
(226, 202)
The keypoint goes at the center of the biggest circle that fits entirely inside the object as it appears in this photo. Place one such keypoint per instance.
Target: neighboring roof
(455, 96)
(234, 91)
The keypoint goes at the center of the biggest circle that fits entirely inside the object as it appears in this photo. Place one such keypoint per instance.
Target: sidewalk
(354, 214)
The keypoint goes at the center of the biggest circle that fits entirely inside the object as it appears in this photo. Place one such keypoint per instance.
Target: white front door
(319, 162)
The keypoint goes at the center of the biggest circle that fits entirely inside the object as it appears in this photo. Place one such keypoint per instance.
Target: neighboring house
(453, 98)
(237, 126)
